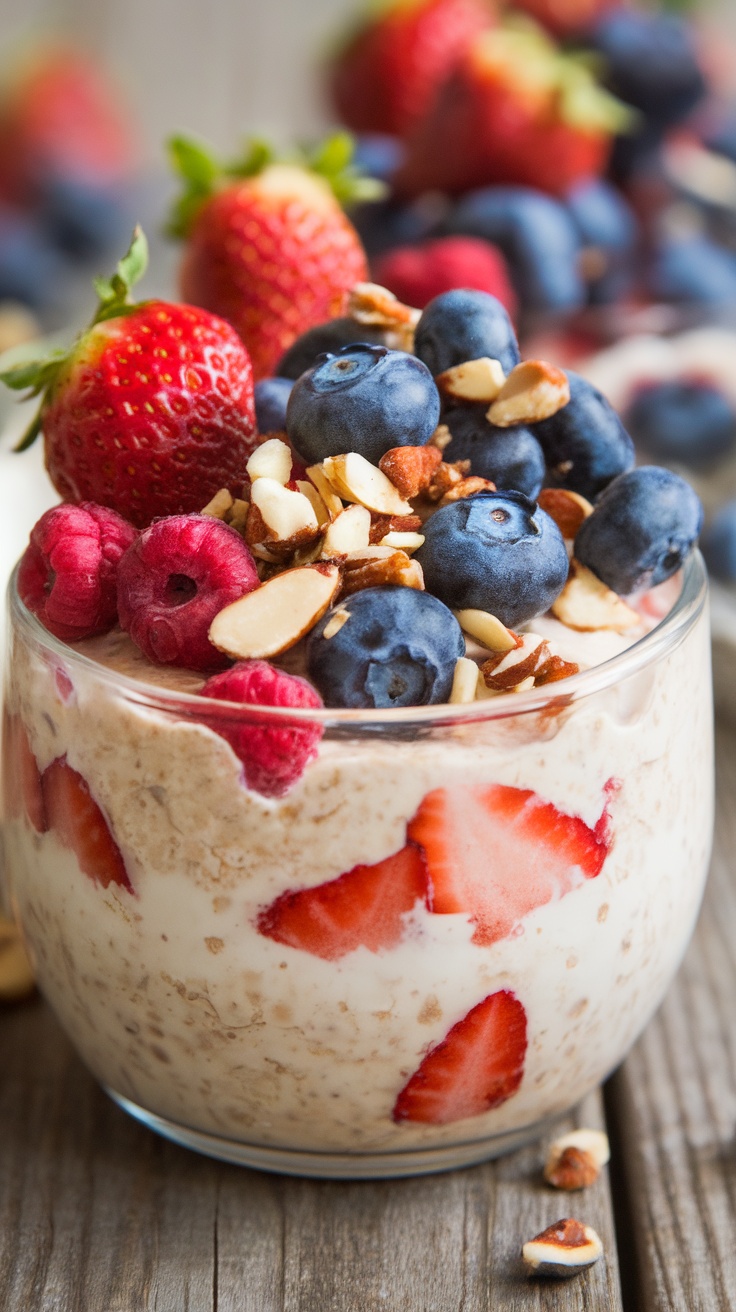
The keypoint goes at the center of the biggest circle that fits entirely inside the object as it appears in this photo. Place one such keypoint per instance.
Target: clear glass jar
(553, 846)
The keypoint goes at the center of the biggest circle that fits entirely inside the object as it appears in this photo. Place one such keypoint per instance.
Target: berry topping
(496, 853)
(151, 411)
(172, 582)
(304, 353)
(68, 573)
(651, 62)
(465, 325)
(396, 647)
(271, 396)
(274, 753)
(643, 527)
(477, 1066)
(719, 544)
(497, 552)
(365, 399)
(367, 907)
(510, 457)
(416, 274)
(22, 791)
(691, 422)
(585, 444)
(81, 825)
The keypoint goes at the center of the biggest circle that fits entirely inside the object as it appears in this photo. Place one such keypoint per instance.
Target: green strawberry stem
(203, 175)
(38, 376)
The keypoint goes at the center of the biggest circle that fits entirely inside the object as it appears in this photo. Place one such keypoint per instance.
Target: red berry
(274, 255)
(22, 792)
(81, 825)
(416, 274)
(274, 753)
(68, 573)
(172, 582)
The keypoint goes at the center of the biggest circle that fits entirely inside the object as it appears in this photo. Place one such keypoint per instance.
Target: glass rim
(645, 651)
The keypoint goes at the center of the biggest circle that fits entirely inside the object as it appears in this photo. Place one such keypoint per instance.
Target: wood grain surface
(99, 1215)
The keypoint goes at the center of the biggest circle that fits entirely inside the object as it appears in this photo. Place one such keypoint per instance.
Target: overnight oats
(357, 821)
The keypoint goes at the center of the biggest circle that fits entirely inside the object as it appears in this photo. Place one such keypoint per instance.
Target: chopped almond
(446, 476)
(474, 380)
(395, 568)
(383, 524)
(410, 468)
(467, 487)
(567, 509)
(534, 390)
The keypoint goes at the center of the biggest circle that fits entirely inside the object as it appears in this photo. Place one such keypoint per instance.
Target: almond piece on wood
(562, 1249)
(475, 380)
(272, 459)
(586, 604)
(534, 390)
(355, 479)
(273, 617)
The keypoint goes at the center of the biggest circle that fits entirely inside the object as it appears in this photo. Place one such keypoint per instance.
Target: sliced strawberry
(477, 1066)
(496, 853)
(21, 775)
(363, 908)
(81, 825)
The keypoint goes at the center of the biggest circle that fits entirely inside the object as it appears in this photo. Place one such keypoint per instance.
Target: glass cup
(504, 891)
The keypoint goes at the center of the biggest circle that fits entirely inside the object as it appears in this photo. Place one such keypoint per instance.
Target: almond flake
(487, 630)
(568, 509)
(507, 671)
(475, 380)
(330, 499)
(273, 617)
(383, 524)
(349, 531)
(467, 487)
(446, 476)
(410, 468)
(534, 390)
(318, 506)
(284, 512)
(407, 542)
(562, 1249)
(554, 669)
(272, 459)
(336, 622)
(441, 437)
(380, 571)
(370, 303)
(219, 505)
(586, 604)
(356, 480)
(464, 682)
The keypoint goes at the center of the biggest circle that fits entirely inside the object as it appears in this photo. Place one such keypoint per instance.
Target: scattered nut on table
(575, 1159)
(562, 1249)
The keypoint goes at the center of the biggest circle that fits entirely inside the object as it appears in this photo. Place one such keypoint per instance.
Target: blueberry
(384, 224)
(608, 231)
(537, 236)
(271, 397)
(30, 267)
(694, 269)
(465, 325)
(330, 336)
(690, 422)
(643, 527)
(398, 648)
(495, 551)
(651, 63)
(366, 399)
(719, 544)
(585, 444)
(85, 219)
(510, 457)
(378, 155)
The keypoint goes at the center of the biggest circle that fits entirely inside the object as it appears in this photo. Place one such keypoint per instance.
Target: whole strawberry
(387, 73)
(514, 110)
(268, 246)
(151, 411)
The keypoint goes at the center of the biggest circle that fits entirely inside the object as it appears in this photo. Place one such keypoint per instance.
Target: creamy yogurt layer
(180, 998)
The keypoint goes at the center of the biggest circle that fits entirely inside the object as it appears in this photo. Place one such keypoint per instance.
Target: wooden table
(99, 1215)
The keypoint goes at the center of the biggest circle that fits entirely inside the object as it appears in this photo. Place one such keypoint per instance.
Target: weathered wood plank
(98, 1213)
(673, 1104)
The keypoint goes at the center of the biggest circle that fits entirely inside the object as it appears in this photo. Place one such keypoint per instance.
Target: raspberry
(68, 573)
(172, 582)
(274, 755)
(416, 274)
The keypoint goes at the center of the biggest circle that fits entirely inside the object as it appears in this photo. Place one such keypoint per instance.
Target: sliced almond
(410, 468)
(562, 1249)
(272, 459)
(237, 516)
(220, 504)
(383, 524)
(586, 604)
(370, 303)
(508, 671)
(534, 390)
(464, 682)
(308, 490)
(395, 569)
(475, 380)
(487, 630)
(441, 437)
(568, 509)
(467, 487)
(355, 479)
(336, 622)
(446, 476)
(407, 542)
(574, 1160)
(284, 512)
(273, 617)
(349, 531)
(330, 499)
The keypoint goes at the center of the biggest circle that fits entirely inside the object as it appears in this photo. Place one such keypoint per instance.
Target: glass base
(335, 1166)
